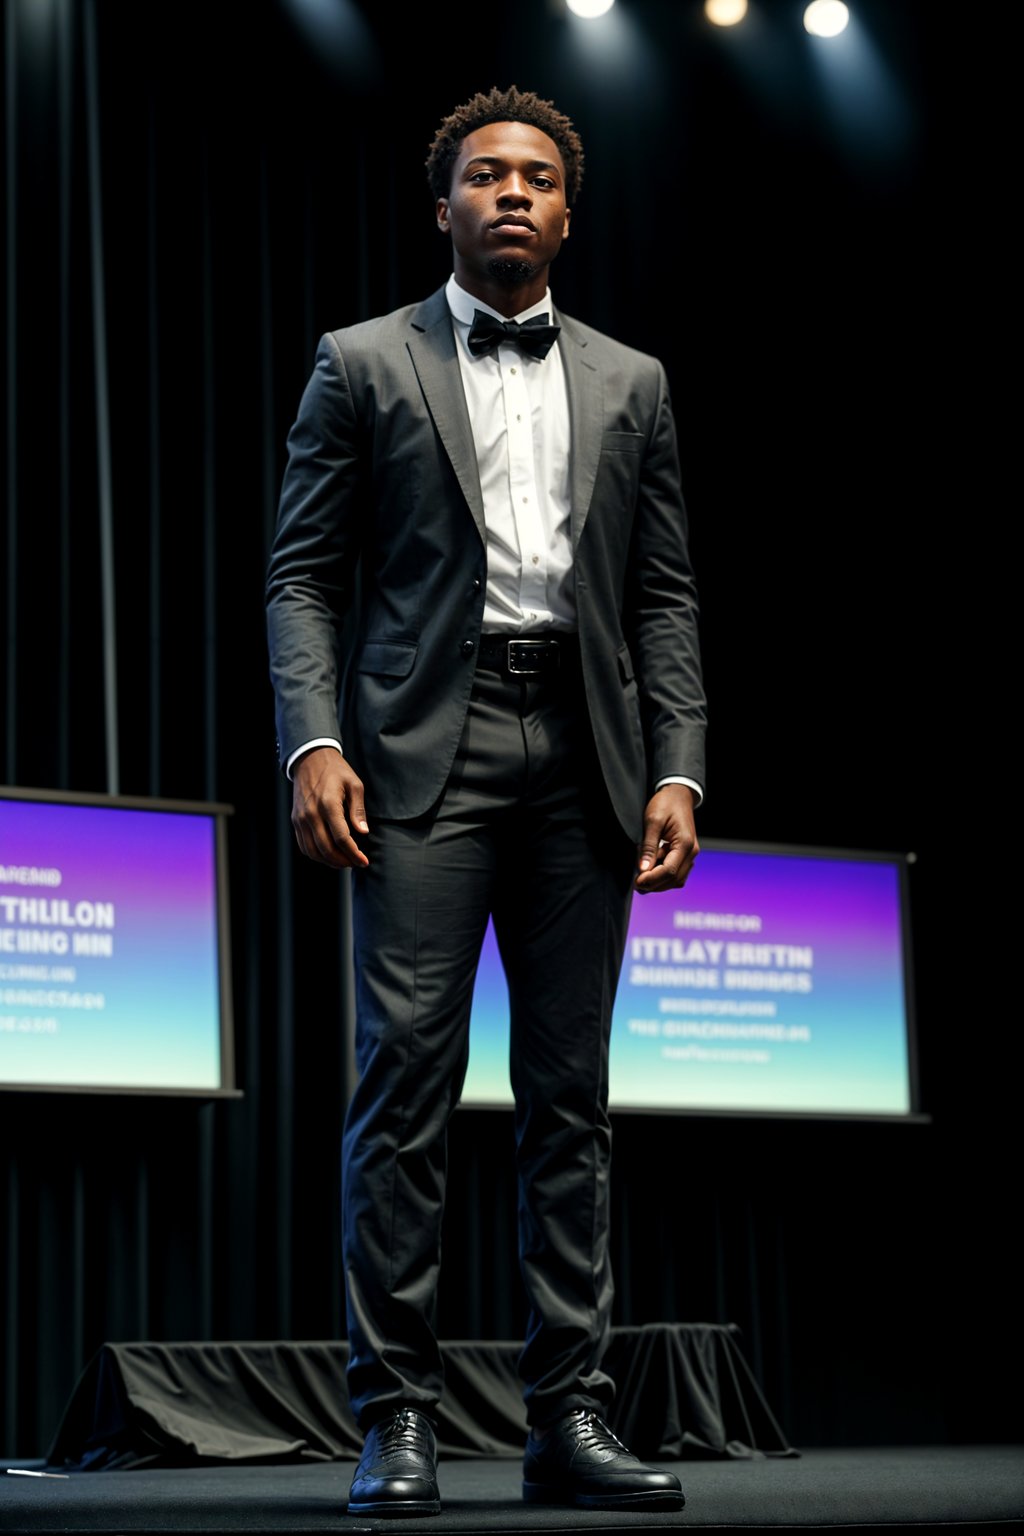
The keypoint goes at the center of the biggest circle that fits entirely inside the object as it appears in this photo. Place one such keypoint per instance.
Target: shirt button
(535, 559)
(467, 647)
(511, 370)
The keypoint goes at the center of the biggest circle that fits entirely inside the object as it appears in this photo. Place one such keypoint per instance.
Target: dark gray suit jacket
(381, 500)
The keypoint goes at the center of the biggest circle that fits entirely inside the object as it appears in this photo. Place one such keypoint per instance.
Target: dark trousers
(523, 832)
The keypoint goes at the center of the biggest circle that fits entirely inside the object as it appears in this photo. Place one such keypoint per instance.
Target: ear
(443, 222)
(565, 226)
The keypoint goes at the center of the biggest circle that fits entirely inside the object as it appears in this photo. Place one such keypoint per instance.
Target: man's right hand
(325, 792)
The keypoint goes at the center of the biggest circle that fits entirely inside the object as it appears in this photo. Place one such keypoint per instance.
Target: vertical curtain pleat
(65, 117)
(102, 404)
(154, 595)
(11, 142)
(14, 1428)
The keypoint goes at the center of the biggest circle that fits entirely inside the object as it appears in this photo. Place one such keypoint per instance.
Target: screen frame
(915, 1115)
(218, 812)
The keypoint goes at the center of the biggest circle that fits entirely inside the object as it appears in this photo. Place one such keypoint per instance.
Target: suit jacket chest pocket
(619, 469)
(614, 501)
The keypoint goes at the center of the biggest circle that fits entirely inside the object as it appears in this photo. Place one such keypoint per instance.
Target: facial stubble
(512, 273)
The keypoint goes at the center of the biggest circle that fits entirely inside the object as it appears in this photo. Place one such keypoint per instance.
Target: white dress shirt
(519, 413)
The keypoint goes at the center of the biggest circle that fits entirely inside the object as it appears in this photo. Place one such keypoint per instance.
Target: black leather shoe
(579, 1461)
(397, 1472)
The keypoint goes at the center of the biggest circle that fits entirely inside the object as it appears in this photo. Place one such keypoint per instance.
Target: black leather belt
(527, 655)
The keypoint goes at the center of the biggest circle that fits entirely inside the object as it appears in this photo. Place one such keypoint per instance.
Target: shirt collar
(462, 305)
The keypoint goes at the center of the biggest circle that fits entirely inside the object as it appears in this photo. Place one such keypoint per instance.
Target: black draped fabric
(683, 1391)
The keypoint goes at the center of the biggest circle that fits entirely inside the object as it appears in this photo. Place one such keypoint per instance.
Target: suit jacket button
(467, 647)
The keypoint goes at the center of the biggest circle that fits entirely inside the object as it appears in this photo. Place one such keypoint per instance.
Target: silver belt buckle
(518, 653)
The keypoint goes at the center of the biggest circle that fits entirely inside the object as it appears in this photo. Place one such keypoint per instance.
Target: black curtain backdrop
(192, 197)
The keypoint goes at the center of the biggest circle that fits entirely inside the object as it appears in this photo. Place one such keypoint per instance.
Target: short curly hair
(497, 106)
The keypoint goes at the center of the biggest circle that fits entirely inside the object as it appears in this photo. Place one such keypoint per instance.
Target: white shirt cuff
(677, 778)
(307, 746)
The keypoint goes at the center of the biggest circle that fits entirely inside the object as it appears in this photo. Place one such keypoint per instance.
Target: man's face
(506, 209)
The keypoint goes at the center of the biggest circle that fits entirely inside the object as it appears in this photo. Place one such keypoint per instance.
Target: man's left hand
(669, 847)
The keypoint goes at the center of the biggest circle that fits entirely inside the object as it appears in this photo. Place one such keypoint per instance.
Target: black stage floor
(975, 1488)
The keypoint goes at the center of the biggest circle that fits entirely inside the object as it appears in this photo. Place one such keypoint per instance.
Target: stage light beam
(339, 35)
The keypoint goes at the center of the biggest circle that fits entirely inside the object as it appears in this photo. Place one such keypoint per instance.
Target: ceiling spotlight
(588, 9)
(826, 18)
(725, 13)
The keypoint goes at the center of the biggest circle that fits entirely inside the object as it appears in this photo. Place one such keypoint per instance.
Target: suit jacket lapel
(586, 418)
(432, 348)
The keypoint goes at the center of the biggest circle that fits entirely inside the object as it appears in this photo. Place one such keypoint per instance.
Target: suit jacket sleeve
(662, 615)
(314, 555)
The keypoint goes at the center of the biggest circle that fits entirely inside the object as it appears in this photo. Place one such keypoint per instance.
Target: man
(483, 640)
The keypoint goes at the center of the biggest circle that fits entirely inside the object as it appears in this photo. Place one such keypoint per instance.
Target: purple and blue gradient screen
(109, 948)
(773, 982)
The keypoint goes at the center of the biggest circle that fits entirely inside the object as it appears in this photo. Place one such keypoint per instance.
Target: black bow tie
(534, 336)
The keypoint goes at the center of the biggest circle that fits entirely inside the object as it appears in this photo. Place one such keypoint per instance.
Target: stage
(976, 1488)
(257, 1436)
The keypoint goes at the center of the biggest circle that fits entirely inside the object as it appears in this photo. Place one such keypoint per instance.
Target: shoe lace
(401, 1434)
(593, 1434)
